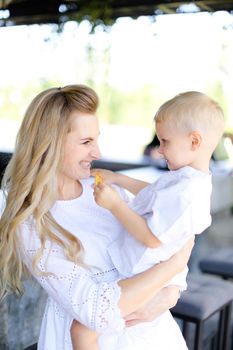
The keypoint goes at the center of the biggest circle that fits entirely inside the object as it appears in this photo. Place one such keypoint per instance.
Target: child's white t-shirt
(176, 207)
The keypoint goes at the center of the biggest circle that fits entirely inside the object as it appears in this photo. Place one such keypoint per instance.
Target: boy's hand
(98, 179)
(106, 196)
(108, 176)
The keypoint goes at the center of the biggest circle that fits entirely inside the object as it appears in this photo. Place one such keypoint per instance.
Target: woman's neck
(69, 190)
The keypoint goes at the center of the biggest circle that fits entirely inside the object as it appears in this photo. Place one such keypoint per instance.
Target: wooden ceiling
(17, 12)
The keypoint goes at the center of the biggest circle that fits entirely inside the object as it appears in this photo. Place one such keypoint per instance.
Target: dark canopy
(15, 12)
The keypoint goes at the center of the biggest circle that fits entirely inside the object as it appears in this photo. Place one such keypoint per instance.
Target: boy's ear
(196, 140)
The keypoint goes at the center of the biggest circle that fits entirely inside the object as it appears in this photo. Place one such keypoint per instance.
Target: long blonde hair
(29, 183)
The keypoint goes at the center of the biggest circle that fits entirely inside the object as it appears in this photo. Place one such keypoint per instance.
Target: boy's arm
(110, 177)
(136, 225)
(130, 184)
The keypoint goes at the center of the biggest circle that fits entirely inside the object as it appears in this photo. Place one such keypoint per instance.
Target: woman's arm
(140, 289)
(97, 305)
(110, 177)
(164, 300)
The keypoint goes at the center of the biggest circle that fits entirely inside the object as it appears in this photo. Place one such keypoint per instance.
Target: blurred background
(134, 65)
(136, 54)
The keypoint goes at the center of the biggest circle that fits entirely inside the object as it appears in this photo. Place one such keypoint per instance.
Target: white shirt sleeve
(73, 287)
(178, 213)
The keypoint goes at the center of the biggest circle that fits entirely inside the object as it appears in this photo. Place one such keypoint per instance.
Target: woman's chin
(85, 174)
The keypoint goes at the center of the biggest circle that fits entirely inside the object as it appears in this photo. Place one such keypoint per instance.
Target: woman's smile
(85, 164)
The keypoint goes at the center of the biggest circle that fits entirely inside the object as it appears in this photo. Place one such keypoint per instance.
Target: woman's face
(80, 147)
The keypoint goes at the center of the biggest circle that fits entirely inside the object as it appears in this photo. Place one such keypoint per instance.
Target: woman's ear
(196, 140)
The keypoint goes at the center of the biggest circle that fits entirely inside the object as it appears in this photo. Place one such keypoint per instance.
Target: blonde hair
(193, 111)
(29, 182)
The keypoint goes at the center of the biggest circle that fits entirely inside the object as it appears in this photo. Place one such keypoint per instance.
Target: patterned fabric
(91, 294)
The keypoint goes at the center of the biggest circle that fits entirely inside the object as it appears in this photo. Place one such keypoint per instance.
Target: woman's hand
(141, 288)
(164, 300)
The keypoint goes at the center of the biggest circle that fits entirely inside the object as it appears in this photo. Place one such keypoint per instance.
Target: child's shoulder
(185, 179)
(186, 173)
(171, 178)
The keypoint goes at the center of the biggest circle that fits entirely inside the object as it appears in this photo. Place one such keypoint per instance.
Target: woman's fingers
(132, 323)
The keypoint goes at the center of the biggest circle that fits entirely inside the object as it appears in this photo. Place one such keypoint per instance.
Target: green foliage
(14, 101)
(97, 12)
(116, 107)
(133, 108)
(216, 91)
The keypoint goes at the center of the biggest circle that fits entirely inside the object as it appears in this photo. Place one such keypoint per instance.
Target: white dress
(90, 296)
(176, 207)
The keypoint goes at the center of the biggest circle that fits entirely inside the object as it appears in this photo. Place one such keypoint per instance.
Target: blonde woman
(52, 228)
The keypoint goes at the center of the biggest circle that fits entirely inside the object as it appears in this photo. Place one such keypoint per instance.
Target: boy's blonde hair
(193, 111)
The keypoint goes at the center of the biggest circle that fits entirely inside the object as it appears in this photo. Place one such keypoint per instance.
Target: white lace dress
(90, 296)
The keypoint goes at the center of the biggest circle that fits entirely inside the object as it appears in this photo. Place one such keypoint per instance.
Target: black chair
(4, 160)
(205, 298)
(220, 263)
(32, 347)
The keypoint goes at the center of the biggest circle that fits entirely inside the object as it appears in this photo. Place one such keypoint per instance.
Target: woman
(52, 228)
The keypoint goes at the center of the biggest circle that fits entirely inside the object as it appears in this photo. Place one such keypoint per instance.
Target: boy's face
(175, 146)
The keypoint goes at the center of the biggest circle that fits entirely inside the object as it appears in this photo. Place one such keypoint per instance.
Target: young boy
(163, 215)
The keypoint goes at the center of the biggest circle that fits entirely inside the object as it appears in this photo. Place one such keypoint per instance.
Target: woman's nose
(95, 153)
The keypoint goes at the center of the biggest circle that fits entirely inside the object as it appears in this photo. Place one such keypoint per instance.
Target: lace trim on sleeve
(107, 313)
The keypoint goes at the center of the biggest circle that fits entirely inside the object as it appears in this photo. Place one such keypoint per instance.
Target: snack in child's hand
(98, 179)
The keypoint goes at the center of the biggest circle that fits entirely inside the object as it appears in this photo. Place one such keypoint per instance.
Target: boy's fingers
(95, 170)
(101, 185)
